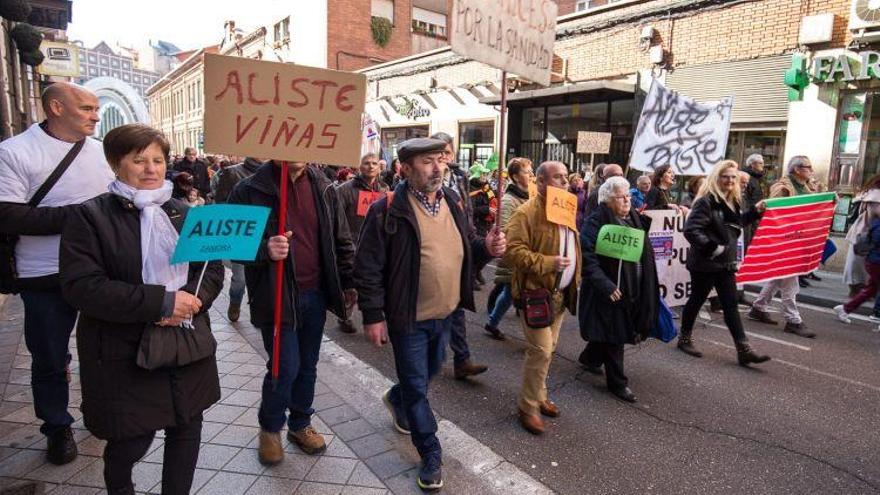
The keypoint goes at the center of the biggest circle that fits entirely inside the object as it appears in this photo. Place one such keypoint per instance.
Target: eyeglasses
(805, 167)
(624, 197)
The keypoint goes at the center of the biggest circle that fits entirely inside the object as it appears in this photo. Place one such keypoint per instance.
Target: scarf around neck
(158, 235)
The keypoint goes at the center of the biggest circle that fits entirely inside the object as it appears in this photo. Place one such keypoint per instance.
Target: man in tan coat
(542, 255)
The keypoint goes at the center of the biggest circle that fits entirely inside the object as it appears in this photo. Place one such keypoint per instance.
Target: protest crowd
(405, 241)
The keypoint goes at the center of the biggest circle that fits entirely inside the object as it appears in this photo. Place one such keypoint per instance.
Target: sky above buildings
(186, 23)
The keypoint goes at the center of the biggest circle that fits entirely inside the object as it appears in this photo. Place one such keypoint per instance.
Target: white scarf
(158, 235)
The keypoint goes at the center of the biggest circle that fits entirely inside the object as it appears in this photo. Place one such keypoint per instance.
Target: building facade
(606, 56)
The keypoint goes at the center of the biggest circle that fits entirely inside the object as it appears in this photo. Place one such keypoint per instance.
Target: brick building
(607, 55)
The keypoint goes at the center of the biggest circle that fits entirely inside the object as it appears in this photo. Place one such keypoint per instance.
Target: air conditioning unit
(864, 18)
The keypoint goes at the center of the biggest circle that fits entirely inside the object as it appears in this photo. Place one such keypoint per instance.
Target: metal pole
(502, 146)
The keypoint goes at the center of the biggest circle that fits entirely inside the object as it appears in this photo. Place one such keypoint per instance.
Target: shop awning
(619, 87)
(425, 107)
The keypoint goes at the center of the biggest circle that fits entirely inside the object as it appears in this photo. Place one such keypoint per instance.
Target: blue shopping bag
(830, 249)
(664, 328)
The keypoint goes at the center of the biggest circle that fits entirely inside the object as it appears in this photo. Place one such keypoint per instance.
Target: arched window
(111, 118)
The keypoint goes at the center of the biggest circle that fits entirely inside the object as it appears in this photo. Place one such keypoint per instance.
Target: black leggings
(178, 467)
(725, 284)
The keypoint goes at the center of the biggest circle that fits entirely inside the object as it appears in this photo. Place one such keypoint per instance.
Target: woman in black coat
(713, 228)
(612, 314)
(121, 281)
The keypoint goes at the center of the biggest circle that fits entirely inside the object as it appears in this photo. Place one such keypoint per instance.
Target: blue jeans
(458, 338)
(48, 322)
(298, 368)
(502, 304)
(236, 286)
(418, 355)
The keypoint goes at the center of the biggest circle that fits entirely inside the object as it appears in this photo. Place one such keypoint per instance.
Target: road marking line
(811, 370)
(764, 337)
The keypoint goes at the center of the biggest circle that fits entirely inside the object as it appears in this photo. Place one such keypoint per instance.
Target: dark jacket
(582, 197)
(388, 260)
(753, 195)
(199, 170)
(337, 250)
(481, 205)
(711, 223)
(230, 176)
(657, 199)
(629, 320)
(592, 202)
(348, 194)
(101, 276)
(458, 182)
(874, 231)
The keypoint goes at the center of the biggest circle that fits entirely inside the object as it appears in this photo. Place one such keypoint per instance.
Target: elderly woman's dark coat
(629, 320)
(101, 277)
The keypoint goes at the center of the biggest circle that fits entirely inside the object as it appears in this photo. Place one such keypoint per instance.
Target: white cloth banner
(671, 251)
(676, 130)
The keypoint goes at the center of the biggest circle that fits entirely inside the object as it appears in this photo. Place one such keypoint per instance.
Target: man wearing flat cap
(412, 271)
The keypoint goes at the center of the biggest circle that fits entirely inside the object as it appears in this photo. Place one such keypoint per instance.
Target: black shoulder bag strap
(57, 173)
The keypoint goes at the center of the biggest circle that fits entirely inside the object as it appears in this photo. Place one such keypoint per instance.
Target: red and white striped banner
(790, 238)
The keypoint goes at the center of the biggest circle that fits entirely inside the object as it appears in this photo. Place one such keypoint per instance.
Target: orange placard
(562, 207)
(533, 190)
(365, 199)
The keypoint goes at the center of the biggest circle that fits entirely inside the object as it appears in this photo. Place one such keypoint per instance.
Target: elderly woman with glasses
(713, 228)
(116, 270)
(619, 300)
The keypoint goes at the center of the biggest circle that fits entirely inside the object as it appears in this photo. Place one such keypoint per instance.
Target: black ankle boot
(745, 355)
(686, 345)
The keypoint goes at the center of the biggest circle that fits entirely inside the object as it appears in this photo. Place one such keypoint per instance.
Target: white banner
(671, 251)
(676, 130)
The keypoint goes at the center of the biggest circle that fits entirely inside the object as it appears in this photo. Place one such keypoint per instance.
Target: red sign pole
(502, 147)
(279, 277)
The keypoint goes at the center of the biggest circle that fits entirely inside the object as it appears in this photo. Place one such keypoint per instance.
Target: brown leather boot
(308, 440)
(270, 451)
(531, 422)
(468, 368)
(549, 409)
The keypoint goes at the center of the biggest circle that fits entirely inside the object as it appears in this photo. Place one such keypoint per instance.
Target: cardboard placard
(514, 36)
(594, 142)
(283, 111)
(221, 232)
(562, 207)
(620, 242)
(533, 189)
(365, 199)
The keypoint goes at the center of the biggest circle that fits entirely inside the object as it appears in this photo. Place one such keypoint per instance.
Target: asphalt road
(806, 422)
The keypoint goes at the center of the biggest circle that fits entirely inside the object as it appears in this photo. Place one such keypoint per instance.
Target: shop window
(768, 144)
(582, 5)
(476, 142)
(564, 121)
(391, 138)
(533, 124)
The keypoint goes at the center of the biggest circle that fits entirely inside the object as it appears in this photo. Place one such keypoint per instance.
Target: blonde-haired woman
(712, 228)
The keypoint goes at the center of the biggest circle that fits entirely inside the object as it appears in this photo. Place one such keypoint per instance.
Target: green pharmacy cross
(797, 78)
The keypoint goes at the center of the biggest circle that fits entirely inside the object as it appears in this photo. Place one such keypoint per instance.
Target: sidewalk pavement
(364, 455)
(827, 293)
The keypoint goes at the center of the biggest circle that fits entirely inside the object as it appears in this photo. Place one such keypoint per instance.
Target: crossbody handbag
(175, 346)
(537, 304)
(8, 272)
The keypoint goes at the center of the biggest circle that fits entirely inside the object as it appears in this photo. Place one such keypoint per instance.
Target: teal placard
(620, 242)
(221, 232)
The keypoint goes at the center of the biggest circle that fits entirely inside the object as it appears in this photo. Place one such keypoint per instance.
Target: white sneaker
(874, 318)
(842, 315)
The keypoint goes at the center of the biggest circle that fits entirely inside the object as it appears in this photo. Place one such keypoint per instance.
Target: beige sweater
(442, 254)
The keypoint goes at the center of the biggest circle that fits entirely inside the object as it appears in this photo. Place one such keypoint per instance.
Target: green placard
(620, 242)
